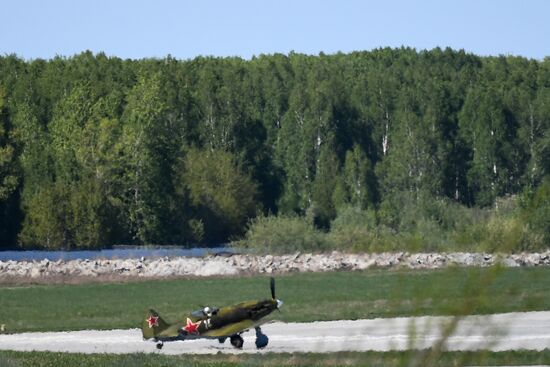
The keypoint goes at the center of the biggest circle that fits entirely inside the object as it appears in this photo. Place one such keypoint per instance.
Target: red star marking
(153, 321)
(191, 327)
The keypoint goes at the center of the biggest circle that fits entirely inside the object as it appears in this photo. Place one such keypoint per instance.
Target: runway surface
(529, 330)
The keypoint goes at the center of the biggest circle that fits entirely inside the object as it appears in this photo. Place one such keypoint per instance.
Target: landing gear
(261, 338)
(160, 345)
(236, 341)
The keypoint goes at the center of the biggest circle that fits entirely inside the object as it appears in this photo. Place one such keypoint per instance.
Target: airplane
(214, 323)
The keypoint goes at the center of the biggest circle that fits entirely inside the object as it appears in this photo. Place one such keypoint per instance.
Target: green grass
(308, 297)
(47, 359)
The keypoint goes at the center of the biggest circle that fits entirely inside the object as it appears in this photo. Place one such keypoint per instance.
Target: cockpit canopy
(205, 312)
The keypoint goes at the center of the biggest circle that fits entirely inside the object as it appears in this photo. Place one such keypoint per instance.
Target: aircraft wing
(225, 331)
(234, 328)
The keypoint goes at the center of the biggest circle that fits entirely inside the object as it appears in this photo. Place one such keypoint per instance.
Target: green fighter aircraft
(214, 323)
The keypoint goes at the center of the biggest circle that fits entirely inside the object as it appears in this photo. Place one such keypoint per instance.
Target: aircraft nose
(279, 303)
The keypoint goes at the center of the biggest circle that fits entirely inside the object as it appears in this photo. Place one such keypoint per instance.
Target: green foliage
(46, 220)
(409, 135)
(282, 234)
(89, 216)
(356, 186)
(64, 217)
(146, 184)
(323, 209)
(412, 222)
(406, 223)
(8, 174)
(535, 217)
(219, 192)
(68, 206)
(502, 235)
(354, 229)
(379, 359)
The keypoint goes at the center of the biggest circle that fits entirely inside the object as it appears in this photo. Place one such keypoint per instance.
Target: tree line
(97, 150)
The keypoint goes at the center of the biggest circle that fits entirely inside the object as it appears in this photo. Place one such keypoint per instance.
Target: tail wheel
(237, 341)
(159, 346)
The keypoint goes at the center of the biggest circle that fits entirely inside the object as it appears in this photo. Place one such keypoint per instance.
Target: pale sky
(186, 29)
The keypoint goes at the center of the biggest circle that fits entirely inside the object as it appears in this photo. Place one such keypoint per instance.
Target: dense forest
(386, 149)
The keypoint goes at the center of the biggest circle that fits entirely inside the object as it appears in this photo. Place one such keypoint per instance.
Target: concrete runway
(524, 330)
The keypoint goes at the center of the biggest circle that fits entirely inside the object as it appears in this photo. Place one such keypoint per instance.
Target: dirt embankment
(212, 265)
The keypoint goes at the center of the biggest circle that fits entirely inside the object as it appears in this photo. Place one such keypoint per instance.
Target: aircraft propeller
(272, 286)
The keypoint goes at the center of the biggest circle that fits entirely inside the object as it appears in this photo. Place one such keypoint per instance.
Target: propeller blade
(272, 285)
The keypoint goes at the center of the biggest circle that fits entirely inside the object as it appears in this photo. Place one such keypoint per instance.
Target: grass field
(46, 359)
(308, 297)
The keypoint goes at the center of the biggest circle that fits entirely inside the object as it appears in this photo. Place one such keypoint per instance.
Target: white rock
(35, 272)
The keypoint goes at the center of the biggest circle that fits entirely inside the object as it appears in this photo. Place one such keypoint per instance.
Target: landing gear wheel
(261, 338)
(160, 345)
(237, 341)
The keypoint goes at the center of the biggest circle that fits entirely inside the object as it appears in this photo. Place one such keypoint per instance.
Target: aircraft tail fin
(152, 324)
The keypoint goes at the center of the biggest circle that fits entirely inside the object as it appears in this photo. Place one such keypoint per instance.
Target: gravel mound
(224, 265)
